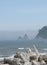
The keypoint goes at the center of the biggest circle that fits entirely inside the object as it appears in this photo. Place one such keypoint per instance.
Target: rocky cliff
(42, 33)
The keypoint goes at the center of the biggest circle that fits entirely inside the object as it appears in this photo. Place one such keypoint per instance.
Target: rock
(4, 64)
(22, 55)
(42, 57)
(8, 61)
(15, 61)
(35, 63)
(43, 62)
(25, 37)
(32, 58)
(42, 33)
(27, 63)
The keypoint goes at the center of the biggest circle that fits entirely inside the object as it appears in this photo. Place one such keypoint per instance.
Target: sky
(23, 14)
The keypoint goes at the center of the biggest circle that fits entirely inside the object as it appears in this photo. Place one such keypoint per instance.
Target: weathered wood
(24, 58)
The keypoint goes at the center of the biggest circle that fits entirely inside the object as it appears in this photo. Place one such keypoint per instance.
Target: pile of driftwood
(27, 58)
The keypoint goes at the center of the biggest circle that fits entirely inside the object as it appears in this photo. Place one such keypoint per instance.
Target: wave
(21, 48)
(7, 57)
(43, 53)
(45, 49)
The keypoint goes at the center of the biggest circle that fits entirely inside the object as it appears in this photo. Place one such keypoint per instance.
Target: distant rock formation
(25, 37)
(42, 33)
(19, 38)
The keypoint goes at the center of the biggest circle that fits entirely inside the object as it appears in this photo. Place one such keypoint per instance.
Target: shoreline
(26, 58)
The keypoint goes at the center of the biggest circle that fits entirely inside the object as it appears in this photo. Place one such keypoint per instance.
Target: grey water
(11, 47)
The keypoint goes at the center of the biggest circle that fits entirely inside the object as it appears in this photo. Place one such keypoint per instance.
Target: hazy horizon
(19, 17)
(13, 35)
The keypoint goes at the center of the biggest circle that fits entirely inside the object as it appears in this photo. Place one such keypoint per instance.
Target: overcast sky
(23, 14)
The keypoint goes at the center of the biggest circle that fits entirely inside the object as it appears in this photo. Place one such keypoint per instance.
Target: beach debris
(36, 50)
(3, 64)
(27, 58)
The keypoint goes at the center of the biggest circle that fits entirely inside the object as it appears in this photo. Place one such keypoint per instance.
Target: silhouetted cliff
(42, 33)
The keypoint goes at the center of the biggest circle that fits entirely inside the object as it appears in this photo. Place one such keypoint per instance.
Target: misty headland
(24, 35)
(24, 39)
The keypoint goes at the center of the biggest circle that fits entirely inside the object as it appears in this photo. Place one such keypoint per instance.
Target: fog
(13, 35)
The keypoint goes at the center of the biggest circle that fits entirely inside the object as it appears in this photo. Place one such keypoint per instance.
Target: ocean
(8, 48)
